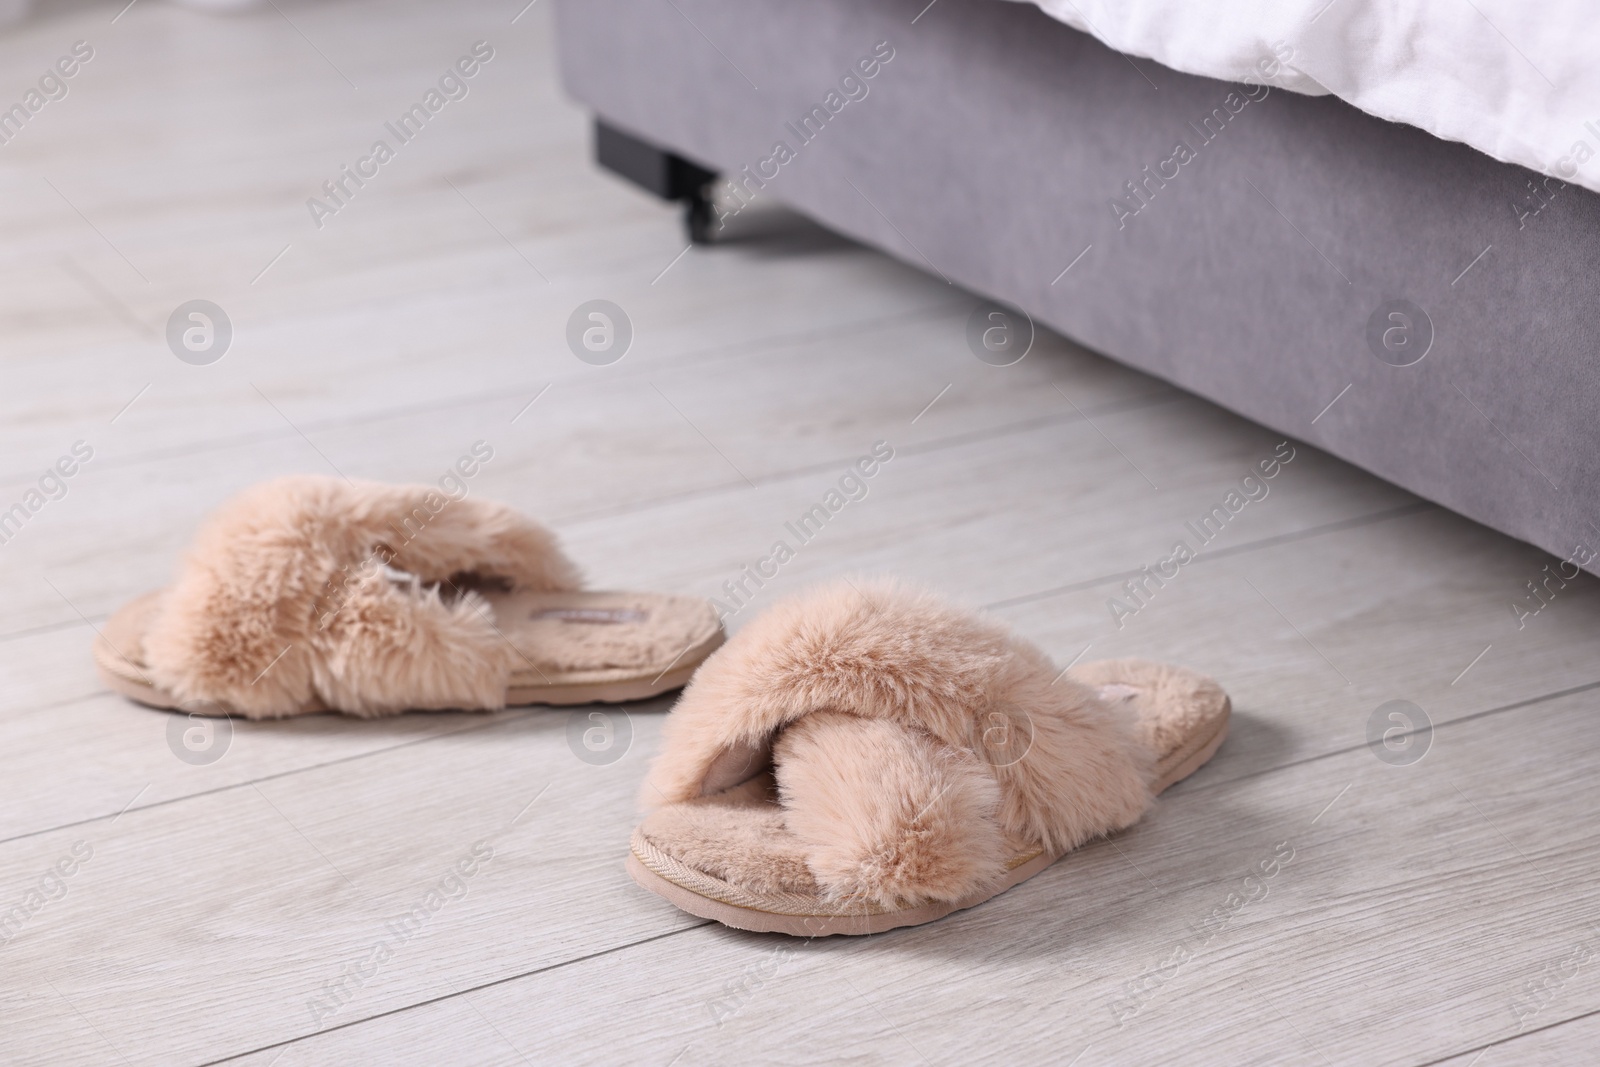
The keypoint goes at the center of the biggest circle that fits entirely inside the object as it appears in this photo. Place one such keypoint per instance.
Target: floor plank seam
(1311, 532)
(762, 348)
(515, 715)
(52, 627)
(458, 993)
(1480, 1049)
(1186, 788)
(707, 492)
(931, 447)
(1191, 786)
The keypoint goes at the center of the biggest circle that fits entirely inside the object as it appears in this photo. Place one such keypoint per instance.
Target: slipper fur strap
(309, 588)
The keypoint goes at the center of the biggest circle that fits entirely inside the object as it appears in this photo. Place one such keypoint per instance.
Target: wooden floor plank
(1269, 734)
(1407, 907)
(1312, 636)
(231, 920)
(581, 448)
(364, 313)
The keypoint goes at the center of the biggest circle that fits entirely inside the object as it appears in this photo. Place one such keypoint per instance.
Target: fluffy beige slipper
(310, 594)
(866, 757)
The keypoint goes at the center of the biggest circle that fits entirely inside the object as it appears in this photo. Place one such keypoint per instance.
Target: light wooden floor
(1442, 911)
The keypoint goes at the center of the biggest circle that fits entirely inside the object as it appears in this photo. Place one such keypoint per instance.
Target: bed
(1399, 298)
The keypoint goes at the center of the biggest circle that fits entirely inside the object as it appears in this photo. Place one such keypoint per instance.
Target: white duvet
(1516, 79)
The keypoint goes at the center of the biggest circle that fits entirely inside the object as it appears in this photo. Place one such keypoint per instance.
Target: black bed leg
(697, 216)
(661, 172)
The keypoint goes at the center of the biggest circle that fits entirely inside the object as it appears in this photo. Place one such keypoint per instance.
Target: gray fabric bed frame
(1293, 257)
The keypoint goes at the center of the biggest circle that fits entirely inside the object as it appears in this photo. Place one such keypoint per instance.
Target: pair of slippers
(858, 758)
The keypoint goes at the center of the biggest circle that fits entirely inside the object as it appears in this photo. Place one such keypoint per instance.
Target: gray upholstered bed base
(998, 144)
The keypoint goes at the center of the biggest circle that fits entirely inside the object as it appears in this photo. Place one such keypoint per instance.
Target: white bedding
(1517, 80)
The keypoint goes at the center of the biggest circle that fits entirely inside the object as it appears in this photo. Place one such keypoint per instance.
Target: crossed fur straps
(309, 589)
(916, 746)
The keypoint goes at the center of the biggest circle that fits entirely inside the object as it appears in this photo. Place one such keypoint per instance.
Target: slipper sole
(603, 686)
(520, 696)
(714, 901)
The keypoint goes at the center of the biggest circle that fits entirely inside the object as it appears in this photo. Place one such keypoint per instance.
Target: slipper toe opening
(737, 837)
